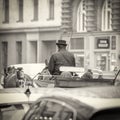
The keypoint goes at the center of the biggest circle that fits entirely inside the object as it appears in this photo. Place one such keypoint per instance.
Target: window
(79, 59)
(113, 61)
(77, 43)
(35, 8)
(6, 11)
(106, 16)
(81, 17)
(51, 9)
(19, 52)
(113, 43)
(20, 6)
(4, 53)
(101, 61)
(33, 51)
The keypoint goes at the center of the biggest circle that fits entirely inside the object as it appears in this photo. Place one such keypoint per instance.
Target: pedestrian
(61, 58)
(88, 74)
(100, 76)
(9, 80)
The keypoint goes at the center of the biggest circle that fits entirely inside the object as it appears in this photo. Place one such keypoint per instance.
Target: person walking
(61, 58)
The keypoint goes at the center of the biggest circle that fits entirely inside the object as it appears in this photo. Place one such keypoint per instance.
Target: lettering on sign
(103, 43)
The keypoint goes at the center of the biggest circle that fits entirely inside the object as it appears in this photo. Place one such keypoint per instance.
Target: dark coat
(61, 58)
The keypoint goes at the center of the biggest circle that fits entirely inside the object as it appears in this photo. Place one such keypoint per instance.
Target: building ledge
(23, 30)
(96, 33)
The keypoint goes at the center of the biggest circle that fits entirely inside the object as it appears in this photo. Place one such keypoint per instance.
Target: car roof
(31, 68)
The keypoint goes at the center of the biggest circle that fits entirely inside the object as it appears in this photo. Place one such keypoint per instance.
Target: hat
(89, 70)
(19, 68)
(61, 42)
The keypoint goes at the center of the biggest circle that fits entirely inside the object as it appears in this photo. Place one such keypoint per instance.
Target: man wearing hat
(60, 58)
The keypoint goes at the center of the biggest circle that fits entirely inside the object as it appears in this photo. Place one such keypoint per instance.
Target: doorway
(32, 56)
(102, 61)
(49, 47)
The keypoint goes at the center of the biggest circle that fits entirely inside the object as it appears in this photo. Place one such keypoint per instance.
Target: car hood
(24, 95)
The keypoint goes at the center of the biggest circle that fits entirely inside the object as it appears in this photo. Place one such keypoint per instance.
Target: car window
(50, 110)
(110, 114)
(13, 112)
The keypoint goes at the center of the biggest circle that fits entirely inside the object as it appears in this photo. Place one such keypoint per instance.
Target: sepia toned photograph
(59, 59)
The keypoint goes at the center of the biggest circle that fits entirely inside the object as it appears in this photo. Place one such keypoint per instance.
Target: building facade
(92, 28)
(29, 30)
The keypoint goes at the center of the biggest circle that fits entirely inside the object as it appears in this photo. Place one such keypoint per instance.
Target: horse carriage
(15, 77)
(42, 78)
(20, 75)
(66, 80)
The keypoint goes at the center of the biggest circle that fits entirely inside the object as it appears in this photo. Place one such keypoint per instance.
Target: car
(91, 103)
(15, 102)
(38, 76)
(31, 69)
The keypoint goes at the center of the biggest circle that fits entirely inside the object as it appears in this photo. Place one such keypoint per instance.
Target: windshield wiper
(114, 80)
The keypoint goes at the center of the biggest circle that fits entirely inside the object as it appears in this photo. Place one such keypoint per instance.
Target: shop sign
(103, 43)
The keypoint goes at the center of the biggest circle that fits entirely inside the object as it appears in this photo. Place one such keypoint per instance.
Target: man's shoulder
(66, 53)
(55, 53)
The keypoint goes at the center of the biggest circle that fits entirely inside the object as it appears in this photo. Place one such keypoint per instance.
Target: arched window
(81, 17)
(106, 16)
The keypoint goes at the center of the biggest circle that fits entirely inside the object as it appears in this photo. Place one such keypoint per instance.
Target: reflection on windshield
(49, 110)
(13, 112)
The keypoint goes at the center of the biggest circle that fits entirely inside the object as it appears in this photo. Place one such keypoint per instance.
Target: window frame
(107, 16)
(20, 10)
(4, 49)
(6, 11)
(81, 17)
(79, 39)
(19, 52)
(35, 10)
(51, 10)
